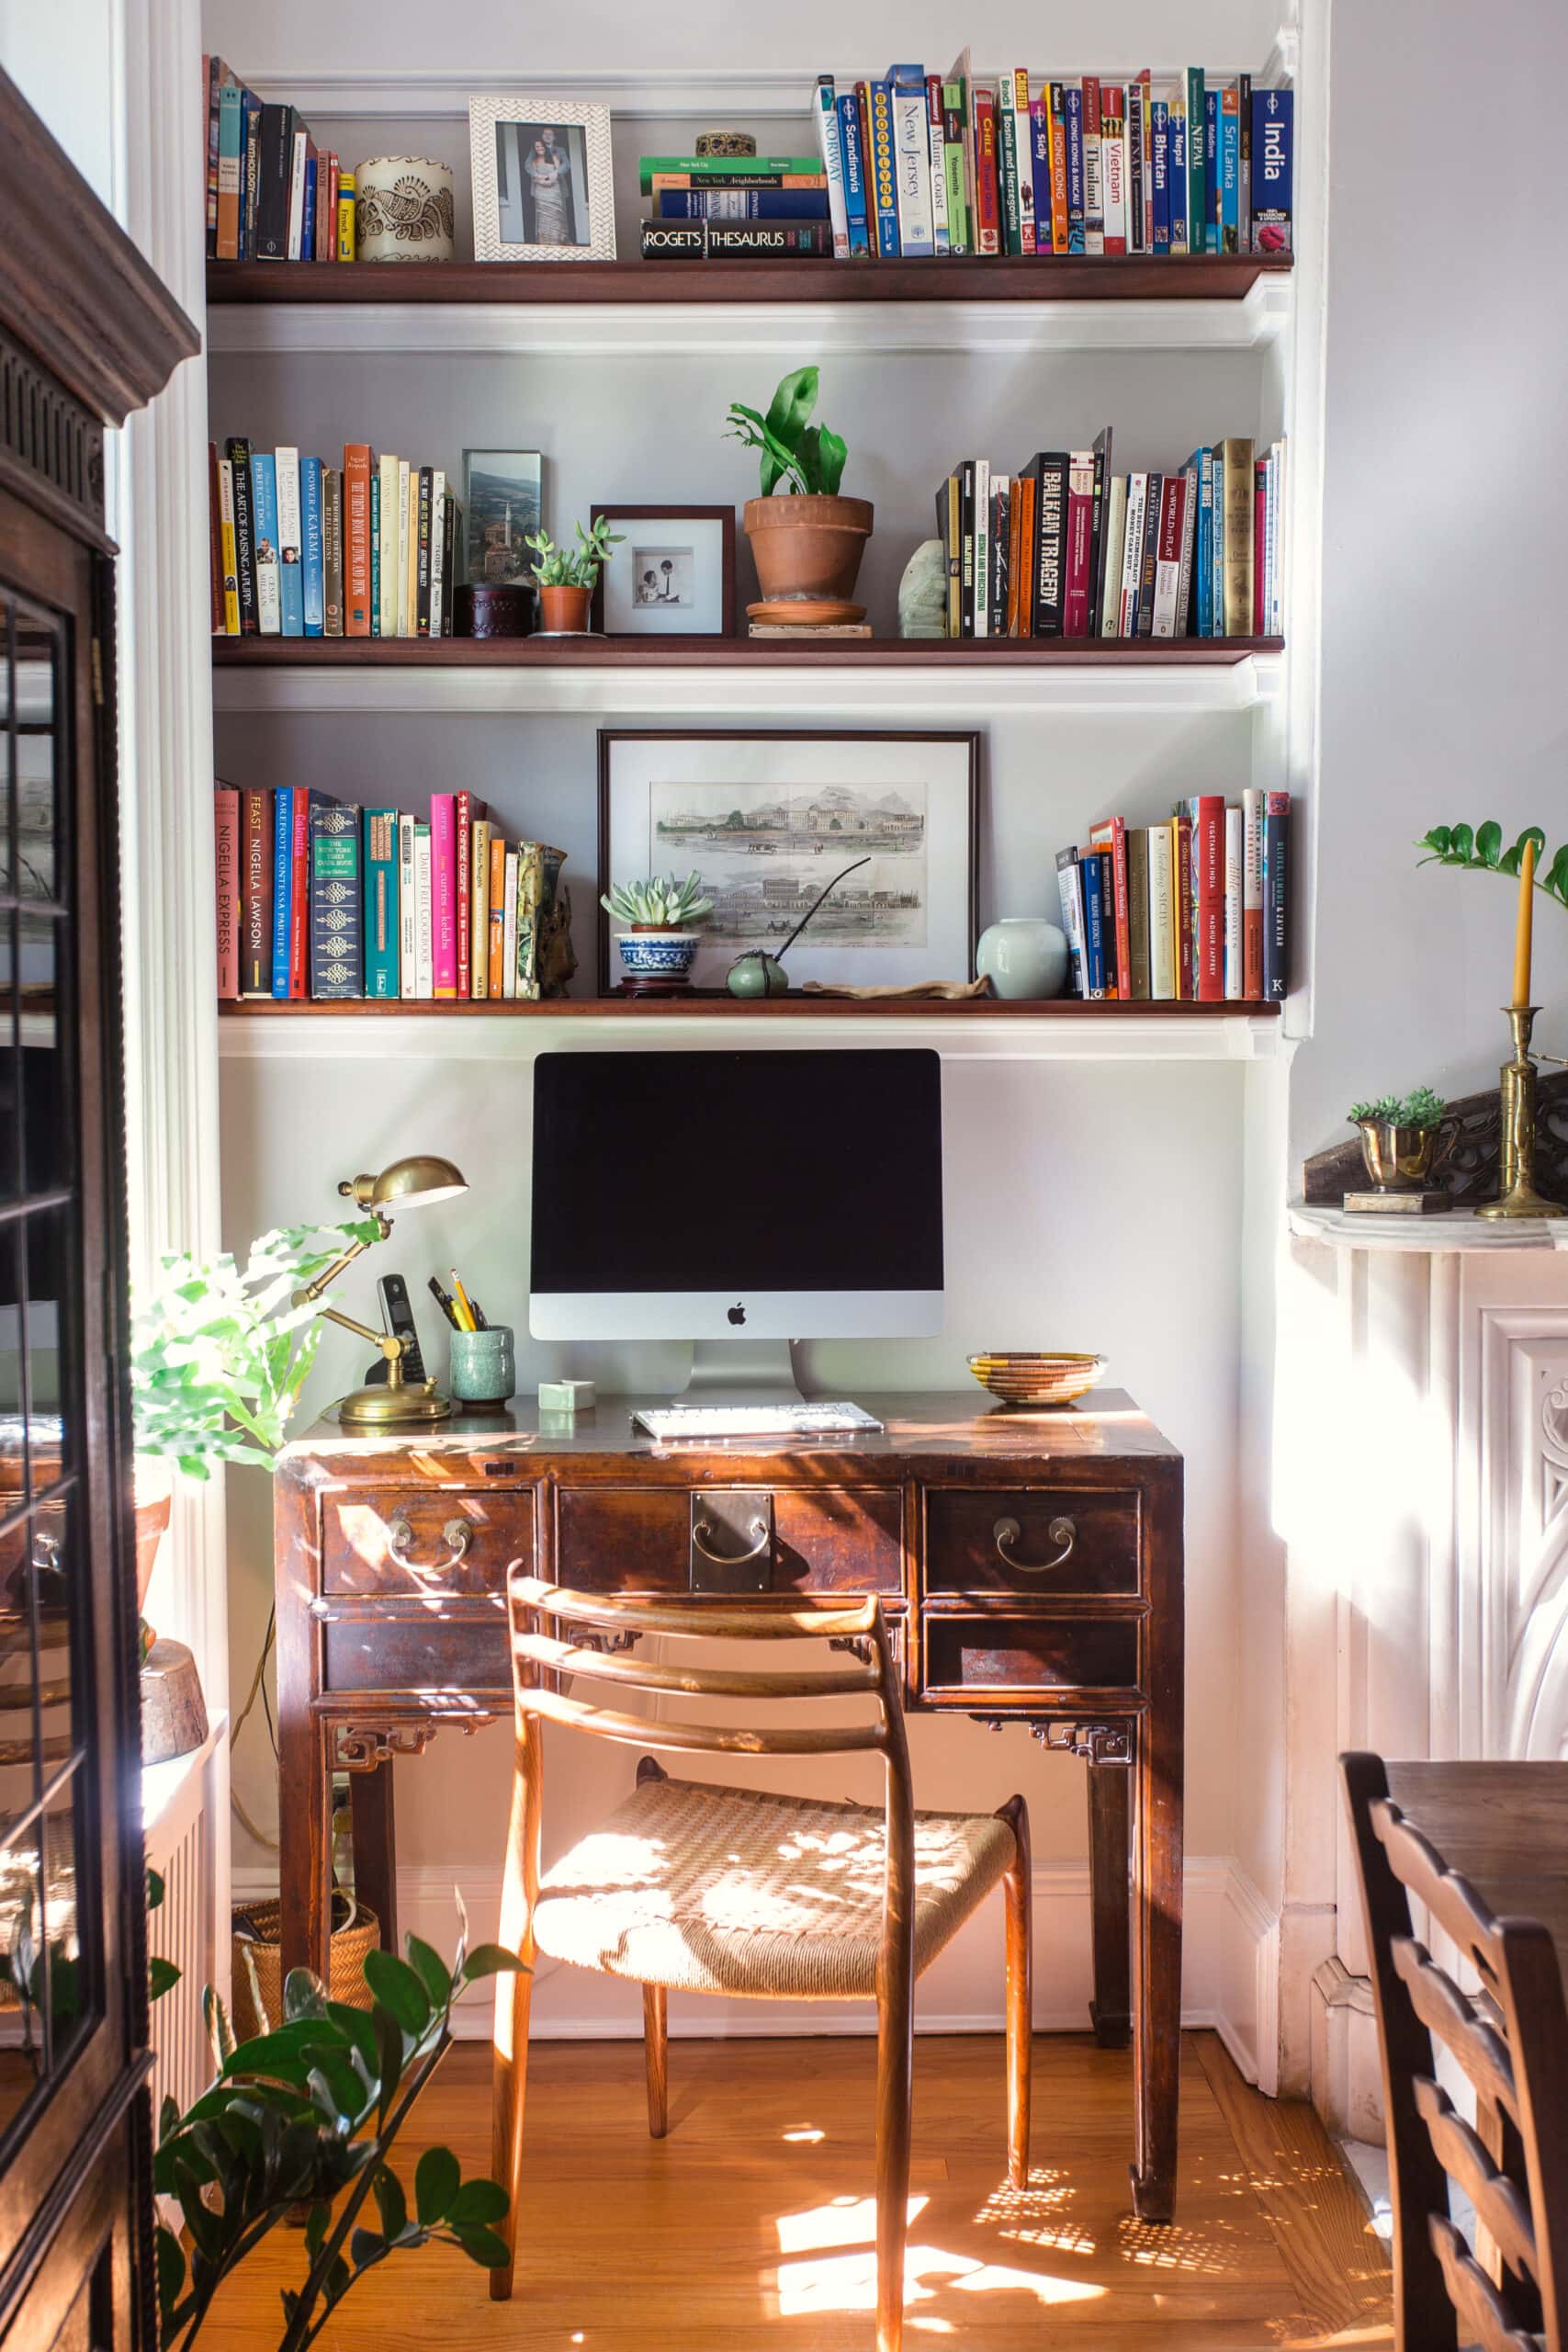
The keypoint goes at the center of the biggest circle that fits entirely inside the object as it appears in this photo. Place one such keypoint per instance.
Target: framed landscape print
(768, 818)
(502, 502)
(542, 186)
(672, 575)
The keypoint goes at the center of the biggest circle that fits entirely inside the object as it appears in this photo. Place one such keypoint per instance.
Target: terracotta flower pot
(155, 1499)
(808, 547)
(565, 610)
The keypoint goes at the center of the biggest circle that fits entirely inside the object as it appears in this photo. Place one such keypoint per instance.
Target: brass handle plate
(456, 1536)
(759, 1529)
(1062, 1532)
(742, 1517)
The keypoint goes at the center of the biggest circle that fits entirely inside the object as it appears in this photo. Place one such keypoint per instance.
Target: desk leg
(375, 1847)
(1157, 1962)
(1110, 1887)
(304, 1839)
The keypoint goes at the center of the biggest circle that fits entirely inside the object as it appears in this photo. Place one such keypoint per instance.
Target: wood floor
(750, 2229)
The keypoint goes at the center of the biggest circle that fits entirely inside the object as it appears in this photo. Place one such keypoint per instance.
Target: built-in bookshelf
(592, 653)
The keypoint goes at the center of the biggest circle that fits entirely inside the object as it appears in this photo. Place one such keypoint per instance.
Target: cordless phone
(397, 1314)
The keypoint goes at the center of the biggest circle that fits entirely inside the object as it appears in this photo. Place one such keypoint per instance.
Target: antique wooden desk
(1032, 1569)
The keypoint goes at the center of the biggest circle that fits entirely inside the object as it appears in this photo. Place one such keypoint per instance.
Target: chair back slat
(761, 1620)
(692, 1681)
(1485, 2320)
(1443, 2009)
(1501, 2208)
(711, 1739)
(1514, 2164)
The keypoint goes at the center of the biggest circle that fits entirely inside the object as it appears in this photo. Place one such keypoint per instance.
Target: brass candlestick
(1516, 1173)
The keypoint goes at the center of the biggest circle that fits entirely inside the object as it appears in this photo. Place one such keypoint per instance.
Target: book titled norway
(337, 948)
(380, 867)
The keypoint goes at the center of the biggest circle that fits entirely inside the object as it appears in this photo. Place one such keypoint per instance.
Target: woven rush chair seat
(708, 1889)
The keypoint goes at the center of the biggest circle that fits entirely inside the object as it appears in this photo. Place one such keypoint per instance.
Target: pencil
(465, 1312)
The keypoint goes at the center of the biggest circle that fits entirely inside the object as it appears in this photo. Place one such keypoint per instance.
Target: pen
(444, 1304)
(481, 1322)
(465, 1312)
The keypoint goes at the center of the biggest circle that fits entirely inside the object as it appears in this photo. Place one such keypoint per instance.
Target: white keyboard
(752, 1420)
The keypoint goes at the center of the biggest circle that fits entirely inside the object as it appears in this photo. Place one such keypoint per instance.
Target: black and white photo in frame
(542, 185)
(671, 575)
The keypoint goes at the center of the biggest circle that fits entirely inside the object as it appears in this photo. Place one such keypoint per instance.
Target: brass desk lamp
(406, 1184)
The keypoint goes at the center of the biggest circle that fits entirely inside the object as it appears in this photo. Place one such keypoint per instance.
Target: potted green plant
(658, 942)
(567, 576)
(1403, 1140)
(806, 539)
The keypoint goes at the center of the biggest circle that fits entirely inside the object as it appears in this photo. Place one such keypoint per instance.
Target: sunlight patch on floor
(843, 2221)
(847, 2282)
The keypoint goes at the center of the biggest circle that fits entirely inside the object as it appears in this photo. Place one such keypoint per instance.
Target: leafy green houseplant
(658, 943)
(308, 2115)
(1404, 1139)
(567, 576)
(807, 544)
(1479, 849)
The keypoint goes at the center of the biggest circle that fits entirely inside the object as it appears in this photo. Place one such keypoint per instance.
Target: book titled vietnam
(337, 939)
(379, 867)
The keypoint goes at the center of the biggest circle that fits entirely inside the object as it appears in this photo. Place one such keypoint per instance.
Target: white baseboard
(1230, 1968)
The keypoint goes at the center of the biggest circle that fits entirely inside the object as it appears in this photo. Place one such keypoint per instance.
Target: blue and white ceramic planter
(657, 954)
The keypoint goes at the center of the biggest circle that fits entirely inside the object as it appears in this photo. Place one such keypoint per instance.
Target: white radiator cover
(185, 1809)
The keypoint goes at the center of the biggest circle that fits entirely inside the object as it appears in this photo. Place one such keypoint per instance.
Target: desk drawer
(451, 1544)
(1038, 1540)
(403, 1648)
(638, 1539)
(996, 1653)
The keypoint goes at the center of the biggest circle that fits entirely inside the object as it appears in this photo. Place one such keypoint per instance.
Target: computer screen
(803, 1188)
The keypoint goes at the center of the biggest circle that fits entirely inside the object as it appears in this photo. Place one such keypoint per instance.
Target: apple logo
(738, 1313)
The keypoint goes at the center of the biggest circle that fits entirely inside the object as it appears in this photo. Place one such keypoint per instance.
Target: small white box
(567, 1396)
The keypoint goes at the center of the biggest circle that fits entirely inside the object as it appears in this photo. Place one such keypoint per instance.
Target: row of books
(271, 195)
(318, 899)
(1195, 908)
(298, 547)
(1158, 164)
(1066, 547)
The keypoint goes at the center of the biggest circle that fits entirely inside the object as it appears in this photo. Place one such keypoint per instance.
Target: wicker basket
(258, 1962)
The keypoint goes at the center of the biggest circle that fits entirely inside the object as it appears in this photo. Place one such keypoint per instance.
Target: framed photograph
(542, 186)
(768, 817)
(500, 499)
(674, 574)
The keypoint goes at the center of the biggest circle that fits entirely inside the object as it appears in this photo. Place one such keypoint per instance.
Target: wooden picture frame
(579, 199)
(723, 516)
(957, 834)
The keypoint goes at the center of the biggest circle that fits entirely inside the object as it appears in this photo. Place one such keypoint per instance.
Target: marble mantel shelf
(1448, 1229)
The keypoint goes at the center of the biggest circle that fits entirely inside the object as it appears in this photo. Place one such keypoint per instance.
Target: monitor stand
(742, 1372)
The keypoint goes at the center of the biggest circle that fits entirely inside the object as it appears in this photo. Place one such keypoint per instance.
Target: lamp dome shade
(414, 1183)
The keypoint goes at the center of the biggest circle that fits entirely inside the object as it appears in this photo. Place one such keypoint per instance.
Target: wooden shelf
(588, 652)
(1068, 278)
(717, 1004)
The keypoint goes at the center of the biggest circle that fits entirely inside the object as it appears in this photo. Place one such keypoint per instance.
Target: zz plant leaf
(792, 453)
(1479, 849)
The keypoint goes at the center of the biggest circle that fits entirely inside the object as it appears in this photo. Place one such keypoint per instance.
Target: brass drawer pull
(759, 1529)
(1062, 1532)
(456, 1535)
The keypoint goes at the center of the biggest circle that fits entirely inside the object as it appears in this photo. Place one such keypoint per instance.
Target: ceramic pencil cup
(484, 1369)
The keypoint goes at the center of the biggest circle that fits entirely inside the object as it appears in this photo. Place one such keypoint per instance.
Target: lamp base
(1521, 1200)
(406, 1406)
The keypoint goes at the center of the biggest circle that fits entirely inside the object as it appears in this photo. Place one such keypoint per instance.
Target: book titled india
(332, 550)
(444, 891)
(290, 577)
(238, 455)
(226, 856)
(1273, 171)
(282, 883)
(356, 540)
(380, 867)
(1230, 167)
(256, 892)
(408, 948)
(337, 946)
(1276, 895)
(314, 576)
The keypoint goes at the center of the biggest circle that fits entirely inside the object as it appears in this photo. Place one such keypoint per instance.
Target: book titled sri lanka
(332, 550)
(1273, 171)
(356, 540)
(282, 884)
(444, 891)
(238, 456)
(255, 891)
(1276, 895)
(337, 942)
(1209, 890)
(753, 241)
(226, 860)
(379, 867)
(1230, 167)
(1069, 890)
(313, 575)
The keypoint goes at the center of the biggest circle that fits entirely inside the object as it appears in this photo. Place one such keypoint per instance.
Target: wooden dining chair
(737, 1890)
(1510, 2039)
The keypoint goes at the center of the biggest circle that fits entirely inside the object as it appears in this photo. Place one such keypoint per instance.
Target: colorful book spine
(884, 170)
(332, 550)
(1006, 161)
(282, 883)
(1230, 167)
(1138, 216)
(1197, 170)
(941, 229)
(263, 524)
(421, 550)
(1150, 560)
(307, 223)
(1040, 170)
(1167, 555)
(1176, 105)
(437, 547)
(1162, 910)
(1057, 104)
(444, 893)
(1239, 529)
(530, 897)
(1233, 916)
(1072, 108)
(1252, 894)
(336, 940)
(463, 880)
(382, 977)
(1069, 890)
(423, 915)
(1212, 190)
(1159, 177)
(230, 150)
(479, 911)
(1209, 887)
(1138, 910)
(1093, 928)
(256, 885)
(290, 576)
(1189, 543)
(954, 129)
(356, 540)
(1276, 895)
(1023, 162)
(1217, 548)
(238, 455)
(912, 174)
(1080, 531)
(408, 911)
(858, 229)
(832, 164)
(226, 548)
(1115, 194)
(1109, 837)
(1273, 171)
(314, 581)
(1093, 170)
(509, 925)
(496, 945)
(300, 897)
(226, 862)
(1181, 838)
(986, 191)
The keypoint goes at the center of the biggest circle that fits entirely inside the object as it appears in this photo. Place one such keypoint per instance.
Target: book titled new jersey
(337, 947)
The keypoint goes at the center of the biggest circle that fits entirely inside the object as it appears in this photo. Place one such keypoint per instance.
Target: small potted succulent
(1403, 1140)
(809, 543)
(658, 942)
(567, 576)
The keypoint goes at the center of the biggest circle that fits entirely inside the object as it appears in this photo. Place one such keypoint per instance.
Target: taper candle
(1522, 931)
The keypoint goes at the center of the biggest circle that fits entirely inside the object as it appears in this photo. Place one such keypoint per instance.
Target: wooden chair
(734, 1891)
(1511, 2041)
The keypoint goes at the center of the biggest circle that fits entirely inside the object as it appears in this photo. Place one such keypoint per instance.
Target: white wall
(69, 77)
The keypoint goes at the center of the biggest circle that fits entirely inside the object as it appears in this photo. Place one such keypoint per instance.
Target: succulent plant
(661, 902)
(573, 567)
(1419, 1108)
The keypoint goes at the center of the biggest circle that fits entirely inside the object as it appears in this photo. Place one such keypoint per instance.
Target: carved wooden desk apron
(1030, 1565)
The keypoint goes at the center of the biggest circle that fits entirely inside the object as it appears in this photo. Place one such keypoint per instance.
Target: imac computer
(736, 1200)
